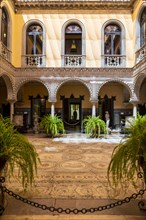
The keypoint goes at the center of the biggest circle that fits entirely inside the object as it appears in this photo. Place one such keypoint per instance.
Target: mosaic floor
(72, 170)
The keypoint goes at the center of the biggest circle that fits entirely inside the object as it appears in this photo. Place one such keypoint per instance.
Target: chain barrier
(74, 211)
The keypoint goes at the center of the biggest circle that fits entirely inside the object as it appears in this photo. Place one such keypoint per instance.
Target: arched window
(4, 28)
(33, 44)
(113, 44)
(73, 44)
(34, 39)
(112, 40)
(5, 33)
(143, 28)
(73, 39)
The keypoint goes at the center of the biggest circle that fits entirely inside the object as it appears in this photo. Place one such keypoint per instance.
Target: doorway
(72, 113)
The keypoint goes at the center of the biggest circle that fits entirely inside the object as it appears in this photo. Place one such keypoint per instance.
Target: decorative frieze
(73, 4)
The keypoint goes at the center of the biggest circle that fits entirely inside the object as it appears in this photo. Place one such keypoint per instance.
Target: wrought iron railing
(5, 52)
(141, 53)
(37, 60)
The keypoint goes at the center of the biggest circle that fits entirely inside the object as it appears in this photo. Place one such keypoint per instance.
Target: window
(143, 28)
(112, 40)
(4, 28)
(34, 39)
(113, 44)
(5, 36)
(33, 44)
(73, 44)
(73, 39)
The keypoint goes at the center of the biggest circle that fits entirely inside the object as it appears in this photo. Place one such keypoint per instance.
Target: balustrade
(5, 52)
(141, 54)
(114, 61)
(73, 60)
(34, 60)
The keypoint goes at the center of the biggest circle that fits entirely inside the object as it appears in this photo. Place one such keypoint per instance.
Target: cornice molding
(21, 5)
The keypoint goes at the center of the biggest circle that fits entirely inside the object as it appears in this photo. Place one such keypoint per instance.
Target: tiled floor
(72, 174)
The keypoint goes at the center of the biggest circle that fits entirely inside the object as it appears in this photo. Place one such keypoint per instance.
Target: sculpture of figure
(107, 119)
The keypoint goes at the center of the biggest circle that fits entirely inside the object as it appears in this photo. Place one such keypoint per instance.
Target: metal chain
(68, 210)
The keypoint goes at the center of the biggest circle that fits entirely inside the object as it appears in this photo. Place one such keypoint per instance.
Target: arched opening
(114, 99)
(31, 99)
(73, 104)
(142, 97)
(4, 104)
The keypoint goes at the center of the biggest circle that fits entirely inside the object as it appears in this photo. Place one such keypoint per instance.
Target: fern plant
(129, 157)
(94, 126)
(16, 151)
(53, 125)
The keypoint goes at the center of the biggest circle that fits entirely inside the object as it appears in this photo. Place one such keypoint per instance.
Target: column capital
(134, 101)
(11, 100)
(53, 101)
(94, 101)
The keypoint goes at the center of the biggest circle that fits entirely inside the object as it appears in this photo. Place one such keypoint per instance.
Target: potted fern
(129, 157)
(52, 125)
(16, 151)
(94, 126)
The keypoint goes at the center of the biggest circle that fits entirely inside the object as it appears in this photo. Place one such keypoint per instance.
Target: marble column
(93, 109)
(134, 102)
(11, 109)
(53, 109)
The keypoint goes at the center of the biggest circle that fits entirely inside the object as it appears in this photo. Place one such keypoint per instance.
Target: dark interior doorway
(38, 106)
(106, 104)
(72, 112)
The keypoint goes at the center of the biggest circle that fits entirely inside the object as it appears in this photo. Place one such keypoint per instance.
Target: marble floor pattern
(72, 170)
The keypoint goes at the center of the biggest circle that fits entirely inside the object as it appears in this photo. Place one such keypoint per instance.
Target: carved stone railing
(5, 52)
(114, 60)
(74, 60)
(141, 54)
(33, 60)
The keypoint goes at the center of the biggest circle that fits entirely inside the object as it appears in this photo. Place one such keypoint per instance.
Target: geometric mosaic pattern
(71, 171)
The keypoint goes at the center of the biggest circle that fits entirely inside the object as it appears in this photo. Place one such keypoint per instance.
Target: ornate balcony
(5, 52)
(114, 61)
(33, 60)
(74, 60)
(141, 54)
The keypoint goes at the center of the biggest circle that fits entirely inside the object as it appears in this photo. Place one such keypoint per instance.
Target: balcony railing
(114, 60)
(74, 60)
(141, 54)
(33, 60)
(5, 52)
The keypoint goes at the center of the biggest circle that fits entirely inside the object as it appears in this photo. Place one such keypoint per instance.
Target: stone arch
(129, 87)
(9, 85)
(63, 37)
(21, 82)
(137, 83)
(73, 79)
